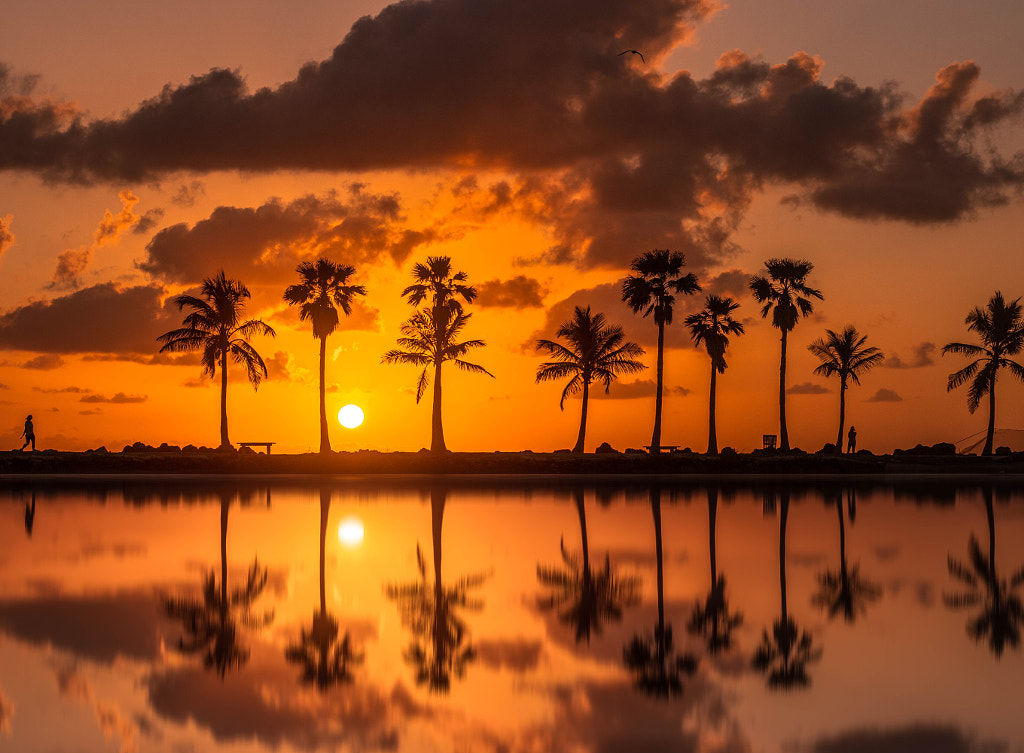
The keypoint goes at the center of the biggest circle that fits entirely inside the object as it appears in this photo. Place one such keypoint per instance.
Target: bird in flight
(635, 52)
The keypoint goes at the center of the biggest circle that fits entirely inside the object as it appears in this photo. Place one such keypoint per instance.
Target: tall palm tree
(845, 355)
(845, 591)
(214, 326)
(711, 328)
(596, 352)
(658, 276)
(324, 288)
(712, 619)
(324, 660)
(585, 598)
(437, 285)
(786, 295)
(1001, 329)
(1002, 612)
(428, 342)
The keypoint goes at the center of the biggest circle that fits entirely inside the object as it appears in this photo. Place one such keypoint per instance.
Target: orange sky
(142, 151)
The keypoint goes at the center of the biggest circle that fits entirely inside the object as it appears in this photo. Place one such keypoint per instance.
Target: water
(874, 626)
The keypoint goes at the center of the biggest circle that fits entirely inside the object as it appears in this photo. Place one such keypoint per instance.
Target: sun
(350, 532)
(350, 416)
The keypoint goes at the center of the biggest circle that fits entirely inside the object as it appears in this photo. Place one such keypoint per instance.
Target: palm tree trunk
(656, 436)
(224, 441)
(990, 436)
(225, 503)
(325, 508)
(436, 427)
(844, 575)
(783, 433)
(712, 516)
(783, 516)
(842, 413)
(583, 418)
(325, 440)
(712, 433)
(437, 502)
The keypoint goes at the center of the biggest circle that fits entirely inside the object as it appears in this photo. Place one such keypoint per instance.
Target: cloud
(279, 367)
(922, 356)
(189, 193)
(6, 236)
(71, 263)
(118, 399)
(364, 318)
(148, 221)
(91, 412)
(60, 390)
(637, 389)
(519, 292)
(885, 395)
(46, 362)
(807, 388)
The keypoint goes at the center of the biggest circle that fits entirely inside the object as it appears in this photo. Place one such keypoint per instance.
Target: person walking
(851, 443)
(29, 433)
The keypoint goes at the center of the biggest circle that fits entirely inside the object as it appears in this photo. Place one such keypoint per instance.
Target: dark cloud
(44, 362)
(922, 738)
(58, 390)
(519, 292)
(118, 399)
(189, 193)
(885, 395)
(807, 388)
(157, 359)
(6, 236)
(99, 319)
(278, 368)
(148, 221)
(921, 357)
(637, 389)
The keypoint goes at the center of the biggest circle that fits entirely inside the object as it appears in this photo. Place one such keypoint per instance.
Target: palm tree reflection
(712, 619)
(583, 598)
(324, 660)
(784, 654)
(651, 657)
(211, 621)
(999, 619)
(845, 591)
(440, 645)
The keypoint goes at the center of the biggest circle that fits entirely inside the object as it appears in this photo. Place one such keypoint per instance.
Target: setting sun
(350, 416)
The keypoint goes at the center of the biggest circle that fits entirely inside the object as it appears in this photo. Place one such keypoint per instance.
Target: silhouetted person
(30, 434)
(851, 442)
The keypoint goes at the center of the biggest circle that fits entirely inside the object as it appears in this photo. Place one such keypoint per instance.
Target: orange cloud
(6, 236)
(71, 263)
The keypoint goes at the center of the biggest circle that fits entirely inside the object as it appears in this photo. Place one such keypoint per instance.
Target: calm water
(224, 615)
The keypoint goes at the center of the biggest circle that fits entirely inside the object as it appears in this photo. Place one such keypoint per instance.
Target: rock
(635, 451)
(728, 452)
(98, 451)
(828, 449)
(606, 449)
(164, 447)
(1003, 451)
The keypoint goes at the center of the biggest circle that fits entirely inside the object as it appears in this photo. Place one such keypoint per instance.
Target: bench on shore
(257, 444)
(655, 449)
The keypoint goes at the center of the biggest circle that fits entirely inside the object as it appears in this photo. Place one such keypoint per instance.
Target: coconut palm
(323, 289)
(712, 618)
(1001, 329)
(658, 276)
(1002, 612)
(214, 326)
(711, 328)
(596, 351)
(845, 355)
(584, 598)
(845, 591)
(786, 295)
(324, 660)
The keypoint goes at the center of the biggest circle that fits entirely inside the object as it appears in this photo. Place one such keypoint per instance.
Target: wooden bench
(658, 448)
(257, 444)
(769, 441)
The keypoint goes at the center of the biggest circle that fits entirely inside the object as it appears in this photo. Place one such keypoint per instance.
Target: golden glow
(350, 416)
(350, 530)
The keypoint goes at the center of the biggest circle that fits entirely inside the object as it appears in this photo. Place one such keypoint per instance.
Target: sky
(144, 149)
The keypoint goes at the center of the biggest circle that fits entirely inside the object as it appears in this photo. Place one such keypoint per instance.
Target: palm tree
(322, 290)
(436, 284)
(1001, 329)
(845, 591)
(712, 619)
(712, 327)
(428, 341)
(785, 294)
(844, 355)
(658, 276)
(596, 352)
(583, 598)
(214, 326)
(1002, 611)
(324, 661)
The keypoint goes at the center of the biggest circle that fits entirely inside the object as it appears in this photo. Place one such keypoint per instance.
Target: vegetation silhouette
(429, 336)
(325, 661)
(845, 591)
(597, 351)
(711, 328)
(845, 355)
(323, 289)
(214, 326)
(212, 620)
(1001, 330)
(584, 599)
(783, 655)
(998, 622)
(651, 658)
(440, 646)
(786, 295)
(657, 278)
(712, 619)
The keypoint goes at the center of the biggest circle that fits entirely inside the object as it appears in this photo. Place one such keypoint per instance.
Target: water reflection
(30, 514)
(845, 591)
(712, 619)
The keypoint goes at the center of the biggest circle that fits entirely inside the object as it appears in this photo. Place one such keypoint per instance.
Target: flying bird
(635, 52)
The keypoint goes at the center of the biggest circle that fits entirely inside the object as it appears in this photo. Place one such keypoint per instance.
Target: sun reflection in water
(350, 532)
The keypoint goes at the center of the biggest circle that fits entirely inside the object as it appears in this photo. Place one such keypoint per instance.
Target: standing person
(851, 443)
(29, 433)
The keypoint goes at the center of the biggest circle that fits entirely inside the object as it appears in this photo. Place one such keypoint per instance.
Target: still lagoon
(528, 614)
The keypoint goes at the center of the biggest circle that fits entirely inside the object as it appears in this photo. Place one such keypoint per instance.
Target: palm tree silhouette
(651, 657)
(211, 621)
(658, 274)
(1002, 612)
(845, 591)
(324, 660)
(1001, 329)
(785, 294)
(844, 355)
(440, 645)
(711, 327)
(712, 619)
(585, 599)
(214, 325)
(783, 654)
(596, 352)
(324, 287)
